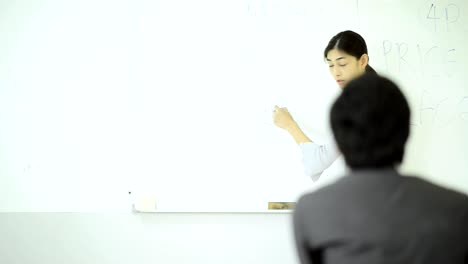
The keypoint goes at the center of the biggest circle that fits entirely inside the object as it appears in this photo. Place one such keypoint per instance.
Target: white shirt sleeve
(317, 158)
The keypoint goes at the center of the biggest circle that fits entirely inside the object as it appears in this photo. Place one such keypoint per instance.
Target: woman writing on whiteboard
(347, 58)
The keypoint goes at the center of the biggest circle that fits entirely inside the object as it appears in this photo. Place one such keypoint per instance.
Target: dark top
(379, 216)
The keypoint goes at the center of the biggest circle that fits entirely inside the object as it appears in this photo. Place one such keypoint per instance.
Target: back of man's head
(370, 121)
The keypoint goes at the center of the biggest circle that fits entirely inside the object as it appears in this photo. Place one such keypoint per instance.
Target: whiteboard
(173, 99)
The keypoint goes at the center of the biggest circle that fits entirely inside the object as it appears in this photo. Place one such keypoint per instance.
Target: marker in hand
(282, 118)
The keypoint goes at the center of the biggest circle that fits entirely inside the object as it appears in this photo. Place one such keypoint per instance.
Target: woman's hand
(282, 118)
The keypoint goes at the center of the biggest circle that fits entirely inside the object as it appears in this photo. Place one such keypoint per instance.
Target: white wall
(82, 238)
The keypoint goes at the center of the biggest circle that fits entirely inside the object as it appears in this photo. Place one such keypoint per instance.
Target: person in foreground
(377, 215)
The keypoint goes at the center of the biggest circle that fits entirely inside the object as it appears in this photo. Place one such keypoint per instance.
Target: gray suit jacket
(379, 216)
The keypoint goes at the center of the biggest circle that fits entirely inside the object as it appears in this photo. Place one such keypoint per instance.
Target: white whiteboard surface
(173, 98)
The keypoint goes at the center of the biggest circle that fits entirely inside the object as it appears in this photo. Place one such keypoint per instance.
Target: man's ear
(364, 60)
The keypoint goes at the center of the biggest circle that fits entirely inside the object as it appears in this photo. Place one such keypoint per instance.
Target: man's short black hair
(371, 122)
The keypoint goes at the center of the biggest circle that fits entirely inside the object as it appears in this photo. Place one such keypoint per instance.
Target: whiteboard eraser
(281, 205)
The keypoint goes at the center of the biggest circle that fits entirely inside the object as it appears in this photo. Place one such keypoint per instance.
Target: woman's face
(344, 67)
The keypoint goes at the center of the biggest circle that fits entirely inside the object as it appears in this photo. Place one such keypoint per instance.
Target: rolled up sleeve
(316, 158)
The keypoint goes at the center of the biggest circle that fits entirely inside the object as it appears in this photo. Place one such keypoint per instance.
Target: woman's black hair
(351, 43)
